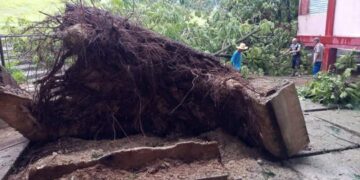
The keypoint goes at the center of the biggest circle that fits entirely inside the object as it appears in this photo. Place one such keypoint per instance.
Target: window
(318, 6)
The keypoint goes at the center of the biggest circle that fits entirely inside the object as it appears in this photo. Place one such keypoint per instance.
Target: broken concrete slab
(307, 104)
(346, 119)
(325, 136)
(290, 120)
(9, 136)
(338, 165)
(12, 144)
(281, 122)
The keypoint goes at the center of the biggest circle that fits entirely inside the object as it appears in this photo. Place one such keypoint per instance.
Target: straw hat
(242, 46)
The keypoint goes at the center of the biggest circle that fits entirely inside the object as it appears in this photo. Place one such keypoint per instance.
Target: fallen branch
(237, 42)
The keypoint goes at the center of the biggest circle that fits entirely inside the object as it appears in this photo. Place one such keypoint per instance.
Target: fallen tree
(125, 79)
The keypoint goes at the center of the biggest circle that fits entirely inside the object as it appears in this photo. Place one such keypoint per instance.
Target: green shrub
(346, 61)
(245, 72)
(19, 76)
(333, 89)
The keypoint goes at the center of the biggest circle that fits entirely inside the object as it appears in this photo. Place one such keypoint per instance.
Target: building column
(329, 53)
(330, 18)
(329, 58)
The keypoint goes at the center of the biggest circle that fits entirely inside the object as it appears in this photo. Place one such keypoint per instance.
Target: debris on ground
(57, 165)
(238, 161)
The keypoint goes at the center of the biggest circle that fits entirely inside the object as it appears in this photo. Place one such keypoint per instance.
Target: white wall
(313, 24)
(347, 18)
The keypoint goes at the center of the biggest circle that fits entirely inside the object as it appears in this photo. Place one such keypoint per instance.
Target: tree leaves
(346, 61)
(210, 25)
(333, 89)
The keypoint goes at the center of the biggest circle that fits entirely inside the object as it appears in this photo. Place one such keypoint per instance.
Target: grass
(26, 9)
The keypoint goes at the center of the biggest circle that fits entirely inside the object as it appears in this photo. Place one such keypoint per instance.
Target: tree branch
(238, 41)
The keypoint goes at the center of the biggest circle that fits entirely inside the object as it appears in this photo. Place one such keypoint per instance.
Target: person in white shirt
(318, 56)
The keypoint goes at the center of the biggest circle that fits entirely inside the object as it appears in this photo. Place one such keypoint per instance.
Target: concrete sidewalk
(12, 144)
(334, 149)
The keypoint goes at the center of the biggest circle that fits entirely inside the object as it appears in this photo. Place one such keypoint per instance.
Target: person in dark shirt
(294, 50)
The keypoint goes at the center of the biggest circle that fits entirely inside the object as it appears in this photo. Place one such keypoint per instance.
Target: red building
(336, 22)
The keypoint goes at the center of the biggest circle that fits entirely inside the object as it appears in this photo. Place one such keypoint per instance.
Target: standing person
(295, 49)
(236, 58)
(318, 56)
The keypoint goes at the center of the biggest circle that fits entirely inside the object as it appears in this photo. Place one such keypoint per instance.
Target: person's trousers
(316, 68)
(296, 61)
(295, 65)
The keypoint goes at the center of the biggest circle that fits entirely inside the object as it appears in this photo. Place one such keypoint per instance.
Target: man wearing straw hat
(236, 57)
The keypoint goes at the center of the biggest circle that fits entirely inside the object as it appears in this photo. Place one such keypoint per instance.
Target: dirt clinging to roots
(124, 79)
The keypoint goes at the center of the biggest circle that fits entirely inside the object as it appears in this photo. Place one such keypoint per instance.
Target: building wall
(312, 24)
(347, 18)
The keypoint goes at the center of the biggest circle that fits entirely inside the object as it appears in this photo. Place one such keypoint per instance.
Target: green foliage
(210, 25)
(34, 49)
(333, 89)
(17, 74)
(346, 61)
(245, 72)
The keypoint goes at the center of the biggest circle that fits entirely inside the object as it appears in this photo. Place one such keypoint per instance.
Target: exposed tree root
(123, 79)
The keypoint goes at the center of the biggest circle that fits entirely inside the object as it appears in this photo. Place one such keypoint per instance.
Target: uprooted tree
(124, 79)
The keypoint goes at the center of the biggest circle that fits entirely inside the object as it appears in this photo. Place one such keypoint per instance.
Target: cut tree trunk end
(15, 112)
(6, 79)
